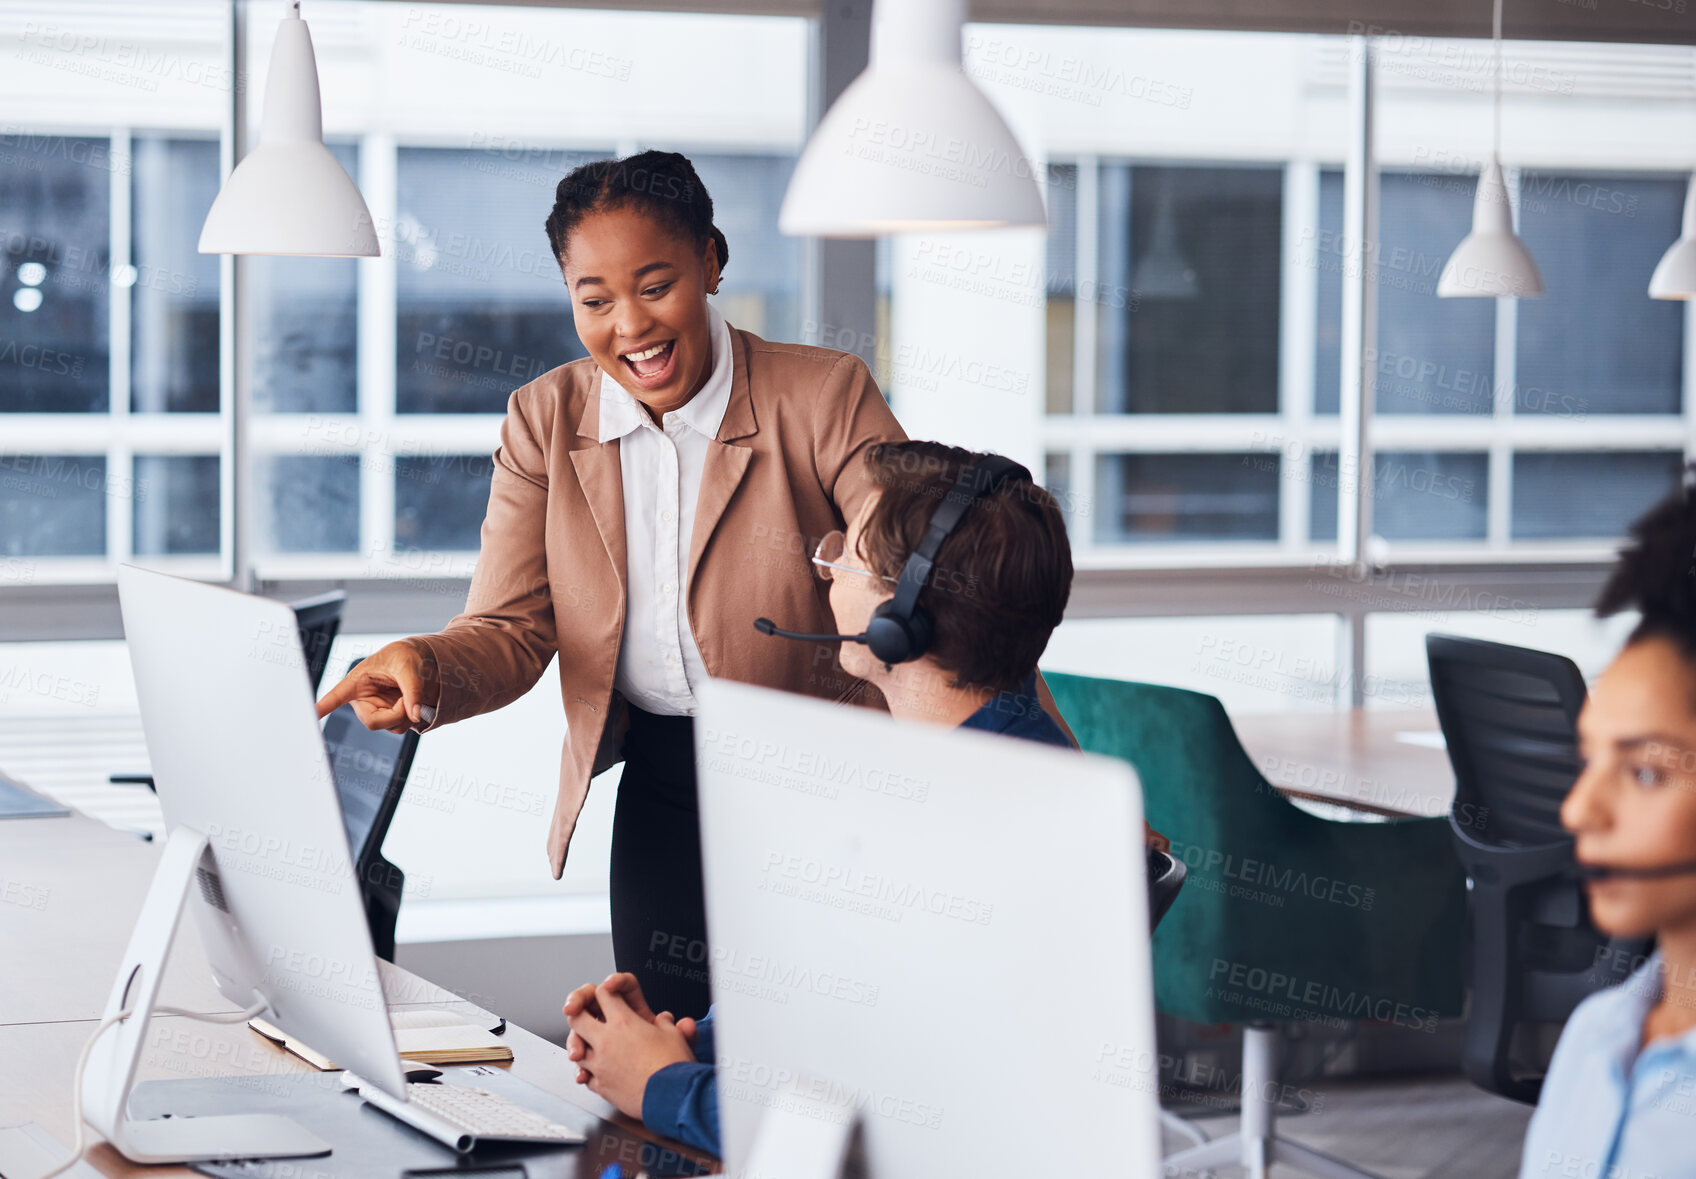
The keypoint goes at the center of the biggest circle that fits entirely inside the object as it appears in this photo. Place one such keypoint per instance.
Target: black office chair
(319, 620)
(370, 768)
(1509, 717)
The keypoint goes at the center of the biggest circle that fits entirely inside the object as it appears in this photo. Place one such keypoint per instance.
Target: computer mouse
(415, 1075)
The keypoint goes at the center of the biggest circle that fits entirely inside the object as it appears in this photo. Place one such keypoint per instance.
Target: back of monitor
(938, 936)
(233, 736)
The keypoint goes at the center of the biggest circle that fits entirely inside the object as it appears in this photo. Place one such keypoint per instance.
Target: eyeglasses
(828, 556)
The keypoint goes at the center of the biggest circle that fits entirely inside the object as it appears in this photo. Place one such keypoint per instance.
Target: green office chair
(1285, 916)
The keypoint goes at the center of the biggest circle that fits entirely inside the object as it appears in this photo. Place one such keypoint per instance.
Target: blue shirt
(1608, 1111)
(1018, 714)
(681, 1100)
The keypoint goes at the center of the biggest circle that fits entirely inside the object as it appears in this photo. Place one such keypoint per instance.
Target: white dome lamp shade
(912, 145)
(1491, 261)
(1675, 276)
(289, 196)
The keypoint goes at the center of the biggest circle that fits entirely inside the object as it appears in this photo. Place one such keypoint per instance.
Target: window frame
(1296, 431)
(76, 598)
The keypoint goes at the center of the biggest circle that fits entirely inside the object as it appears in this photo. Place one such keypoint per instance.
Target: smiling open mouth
(651, 366)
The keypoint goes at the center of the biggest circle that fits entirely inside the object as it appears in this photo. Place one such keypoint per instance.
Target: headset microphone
(1616, 872)
(767, 627)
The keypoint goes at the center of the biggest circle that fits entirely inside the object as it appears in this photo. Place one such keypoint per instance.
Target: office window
(1434, 356)
(1417, 495)
(311, 503)
(176, 504)
(1179, 219)
(52, 505)
(761, 287)
(1057, 478)
(55, 230)
(1061, 283)
(1197, 251)
(1595, 343)
(1577, 495)
(174, 291)
(439, 501)
(1196, 497)
(480, 305)
(306, 351)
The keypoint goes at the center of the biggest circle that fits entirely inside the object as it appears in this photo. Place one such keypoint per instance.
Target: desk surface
(1360, 758)
(70, 889)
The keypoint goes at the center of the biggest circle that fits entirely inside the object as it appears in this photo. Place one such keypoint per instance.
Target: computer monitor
(318, 620)
(232, 730)
(370, 767)
(937, 936)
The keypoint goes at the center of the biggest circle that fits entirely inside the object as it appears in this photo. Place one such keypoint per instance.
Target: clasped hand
(618, 1042)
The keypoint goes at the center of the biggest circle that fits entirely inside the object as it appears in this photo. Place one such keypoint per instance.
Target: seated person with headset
(946, 588)
(1620, 1095)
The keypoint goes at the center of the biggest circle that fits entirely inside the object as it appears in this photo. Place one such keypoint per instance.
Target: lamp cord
(1496, 39)
(81, 1143)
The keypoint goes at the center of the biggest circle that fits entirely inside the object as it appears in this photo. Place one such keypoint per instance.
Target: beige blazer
(784, 470)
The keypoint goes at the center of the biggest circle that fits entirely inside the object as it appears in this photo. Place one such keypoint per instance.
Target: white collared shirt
(658, 661)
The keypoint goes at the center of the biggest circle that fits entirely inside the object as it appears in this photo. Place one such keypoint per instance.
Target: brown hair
(1002, 577)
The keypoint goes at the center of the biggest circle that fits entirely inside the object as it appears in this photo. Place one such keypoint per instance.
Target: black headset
(900, 630)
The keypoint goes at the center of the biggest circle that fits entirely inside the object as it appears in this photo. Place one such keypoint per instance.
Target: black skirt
(659, 916)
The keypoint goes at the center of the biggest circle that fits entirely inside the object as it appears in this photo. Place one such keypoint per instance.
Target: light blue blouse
(1608, 1111)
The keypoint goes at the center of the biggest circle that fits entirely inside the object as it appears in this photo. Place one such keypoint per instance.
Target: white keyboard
(461, 1116)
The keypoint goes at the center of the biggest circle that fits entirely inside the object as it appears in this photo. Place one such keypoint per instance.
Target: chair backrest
(1285, 915)
(1509, 716)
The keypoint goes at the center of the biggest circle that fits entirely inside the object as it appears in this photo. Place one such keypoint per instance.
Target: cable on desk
(80, 1143)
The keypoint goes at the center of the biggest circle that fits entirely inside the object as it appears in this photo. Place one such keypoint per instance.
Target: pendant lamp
(1164, 272)
(1675, 276)
(1491, 260)
(912, 145)
(289, 195)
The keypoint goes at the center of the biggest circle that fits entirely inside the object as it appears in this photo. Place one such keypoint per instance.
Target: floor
(1399, 1129)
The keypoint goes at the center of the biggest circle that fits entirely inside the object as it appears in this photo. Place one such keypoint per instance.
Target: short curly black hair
(1656, 573)
(662, 184)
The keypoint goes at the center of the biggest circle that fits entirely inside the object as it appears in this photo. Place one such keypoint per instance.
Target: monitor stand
(806, 1137)
(112, 1059)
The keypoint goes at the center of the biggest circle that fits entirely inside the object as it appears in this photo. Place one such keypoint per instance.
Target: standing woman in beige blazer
(647, 504)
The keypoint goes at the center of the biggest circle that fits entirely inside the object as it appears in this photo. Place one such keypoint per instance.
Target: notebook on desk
(426, 1036)
(18, 801)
